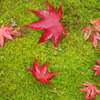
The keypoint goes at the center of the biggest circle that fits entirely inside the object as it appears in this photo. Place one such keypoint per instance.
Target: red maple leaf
(96, 22)
(98, 61)
(91, 90)
(6, 31)
(50, 22)
(96, 67)
(93, 31)
(40, 73)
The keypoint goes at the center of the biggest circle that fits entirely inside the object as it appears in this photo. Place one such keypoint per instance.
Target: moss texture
(71, 58)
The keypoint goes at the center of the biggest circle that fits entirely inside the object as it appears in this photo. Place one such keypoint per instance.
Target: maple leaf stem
(96, 49)
(67, 22)
(74, 22)
(35, 45)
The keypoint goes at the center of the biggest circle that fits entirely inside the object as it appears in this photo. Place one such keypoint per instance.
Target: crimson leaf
(96, 67)
(49, 22)
(93, 31)
(6, 31)
(91, 90)
(41, 73)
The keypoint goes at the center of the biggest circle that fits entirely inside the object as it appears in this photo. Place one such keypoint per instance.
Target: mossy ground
(71, 58)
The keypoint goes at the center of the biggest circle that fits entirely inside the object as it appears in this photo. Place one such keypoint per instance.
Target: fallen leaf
(98, 61)
(6, 31)
(91, 90)
(96, 21)
(41, 73)
(94, 39)
(96, 68)
(50, 22)
(86, 28)
(93, 31)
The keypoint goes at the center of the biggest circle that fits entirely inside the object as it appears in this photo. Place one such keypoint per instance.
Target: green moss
(71, 58)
